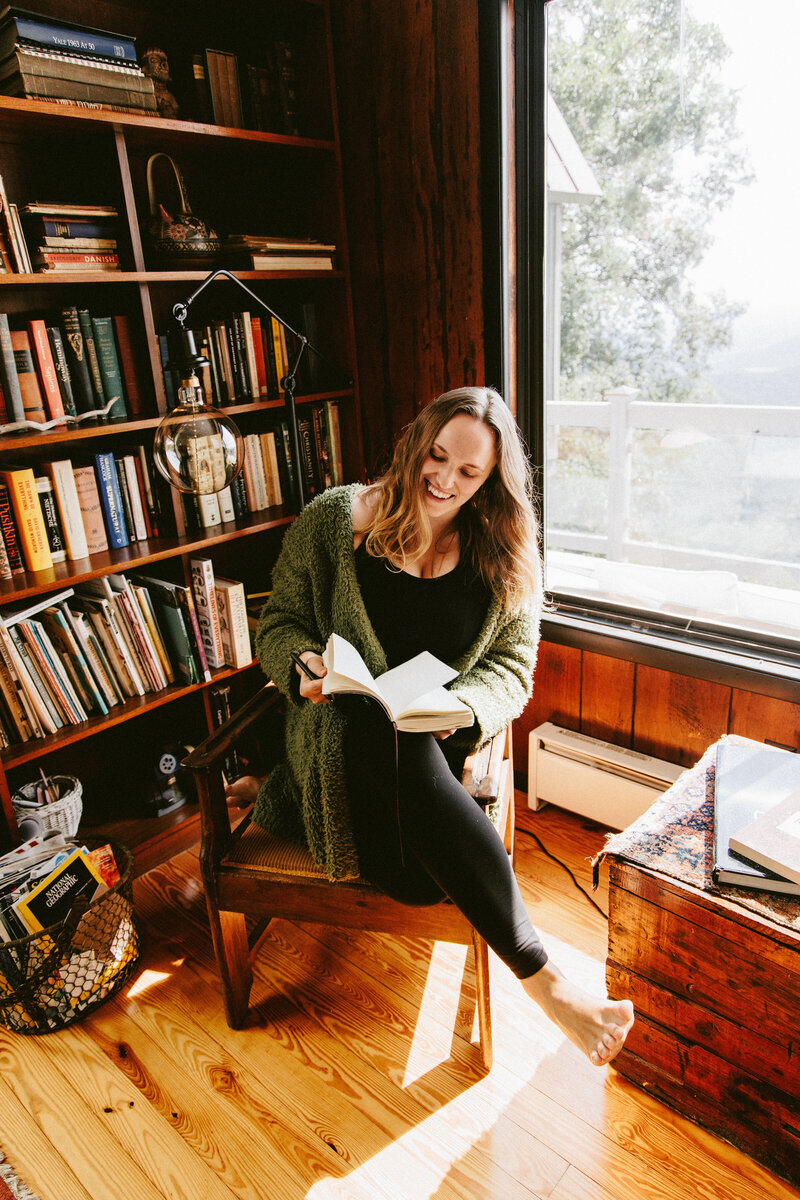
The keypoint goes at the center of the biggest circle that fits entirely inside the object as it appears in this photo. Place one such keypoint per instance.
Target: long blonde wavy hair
(497, 526)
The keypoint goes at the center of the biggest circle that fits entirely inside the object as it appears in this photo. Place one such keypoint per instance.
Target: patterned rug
(676, 837)
(12, 1188)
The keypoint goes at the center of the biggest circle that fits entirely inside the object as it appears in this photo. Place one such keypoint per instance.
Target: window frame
(763, 664)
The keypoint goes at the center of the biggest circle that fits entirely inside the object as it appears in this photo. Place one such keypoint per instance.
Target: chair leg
(232, 952)
(483, 998)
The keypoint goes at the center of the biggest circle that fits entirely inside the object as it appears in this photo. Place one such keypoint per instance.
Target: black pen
(306, 670)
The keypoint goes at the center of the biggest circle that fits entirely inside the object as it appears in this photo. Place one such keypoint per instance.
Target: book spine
(46, 368)
(62, 370)
(85, 320)
(32, 400)
(334, 442)
(258, 354)
(129, 465)
(8, 528)
(44, 64)
(142, 598)
(5, 565)
(233, 622)
(127, 510)
(63, 227)
(69, 508)
(52, 522)
(47, 87)
(321, 445)
(53, 672)
(131, 376)
(227, 511)
(96, 657)
(91, 509)
(254, 457)
(193, 626)
(202, 100)
(205, 601)
(80, 374)
(8, 371)
(72, 39)
(75, 259)
(286, 73)
(249, 342)
(36, 683)
(308, 463)
(28, 518)
(111, 499)
(109, 366)
(57, 621)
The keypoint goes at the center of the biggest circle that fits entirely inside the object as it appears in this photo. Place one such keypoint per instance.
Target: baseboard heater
(582, 774)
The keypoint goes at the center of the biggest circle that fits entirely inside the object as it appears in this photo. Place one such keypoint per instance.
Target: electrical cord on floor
(543, 848)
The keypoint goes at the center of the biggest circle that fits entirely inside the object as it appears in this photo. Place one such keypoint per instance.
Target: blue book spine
(74, 40)
(64, 227)
(111, 499)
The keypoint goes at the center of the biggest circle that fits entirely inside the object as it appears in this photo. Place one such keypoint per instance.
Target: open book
(412, 694)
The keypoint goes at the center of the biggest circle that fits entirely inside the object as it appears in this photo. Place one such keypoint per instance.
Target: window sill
(734, 665)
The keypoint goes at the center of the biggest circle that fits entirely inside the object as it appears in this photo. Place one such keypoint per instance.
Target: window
(671, 367)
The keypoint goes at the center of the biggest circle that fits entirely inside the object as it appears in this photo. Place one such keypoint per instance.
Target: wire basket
(63, 814)
(51, 978)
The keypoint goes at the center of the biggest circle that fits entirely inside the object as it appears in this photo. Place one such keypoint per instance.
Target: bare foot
(243, 790)
(596, 1026)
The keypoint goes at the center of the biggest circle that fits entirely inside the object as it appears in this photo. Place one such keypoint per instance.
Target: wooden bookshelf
(238, 180)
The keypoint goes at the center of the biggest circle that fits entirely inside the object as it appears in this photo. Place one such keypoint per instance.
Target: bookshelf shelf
(240, 180)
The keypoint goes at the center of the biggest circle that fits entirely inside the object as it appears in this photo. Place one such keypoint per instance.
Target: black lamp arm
(180, 312)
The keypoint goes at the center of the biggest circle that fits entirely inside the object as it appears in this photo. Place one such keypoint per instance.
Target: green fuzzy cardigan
(315, 592)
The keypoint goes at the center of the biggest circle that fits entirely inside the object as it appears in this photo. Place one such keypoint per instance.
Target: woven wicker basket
(51, 978)
(63, 814)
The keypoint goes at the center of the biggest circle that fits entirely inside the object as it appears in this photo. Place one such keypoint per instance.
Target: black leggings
(445, 844)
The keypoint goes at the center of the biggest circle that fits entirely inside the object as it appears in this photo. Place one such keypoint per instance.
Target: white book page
(403, 686)
(346, 669)
(396, 689)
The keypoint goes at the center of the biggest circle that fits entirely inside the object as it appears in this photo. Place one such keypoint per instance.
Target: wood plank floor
(355, 1078)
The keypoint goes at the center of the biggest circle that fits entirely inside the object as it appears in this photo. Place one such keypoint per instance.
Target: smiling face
(460, 459)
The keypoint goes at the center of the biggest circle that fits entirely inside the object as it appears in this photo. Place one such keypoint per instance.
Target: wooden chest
(717, 993)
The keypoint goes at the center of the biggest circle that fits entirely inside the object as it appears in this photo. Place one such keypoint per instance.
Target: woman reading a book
(441, 555)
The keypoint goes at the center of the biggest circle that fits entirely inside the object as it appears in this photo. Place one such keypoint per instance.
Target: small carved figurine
(155, 65)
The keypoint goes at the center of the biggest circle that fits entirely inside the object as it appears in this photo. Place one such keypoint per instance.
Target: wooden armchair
(248, 871)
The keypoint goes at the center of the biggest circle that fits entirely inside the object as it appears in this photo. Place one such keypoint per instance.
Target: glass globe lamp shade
(196, 447)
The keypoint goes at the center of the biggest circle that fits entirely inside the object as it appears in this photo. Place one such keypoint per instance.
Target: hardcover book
(772, 840)
(234, 629)
(8, 373)
(111, 499)
(91, 509)
(69, 508)
(52, 521)
(28, 518)
(32, 399)
(46, 368)
(751, 779)
(205, 602)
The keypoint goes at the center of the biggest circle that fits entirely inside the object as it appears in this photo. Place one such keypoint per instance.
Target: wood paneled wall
(644, 708)
(407, 74)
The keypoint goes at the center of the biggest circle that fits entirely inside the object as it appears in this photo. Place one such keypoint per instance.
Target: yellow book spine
(28, 516)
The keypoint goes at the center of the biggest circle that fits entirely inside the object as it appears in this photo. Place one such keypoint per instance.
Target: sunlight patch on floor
(146, 980)
(438, 1011)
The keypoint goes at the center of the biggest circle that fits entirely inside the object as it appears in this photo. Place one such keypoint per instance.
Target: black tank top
(443, 615)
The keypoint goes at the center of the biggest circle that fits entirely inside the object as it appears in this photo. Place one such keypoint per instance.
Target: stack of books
(42, 58)
(280, 253)
(757, 816)
(71, 237)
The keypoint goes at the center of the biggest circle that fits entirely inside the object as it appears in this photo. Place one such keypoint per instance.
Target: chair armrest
(205, 763)
(219, 743)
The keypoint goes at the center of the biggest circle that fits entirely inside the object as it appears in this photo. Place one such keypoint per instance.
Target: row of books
(248, 96)
(42, 58)
(67, 364)
(64, 509)
(249, 357)
(80, 652)
(269, 475)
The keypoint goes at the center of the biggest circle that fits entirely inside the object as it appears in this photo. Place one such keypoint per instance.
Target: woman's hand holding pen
(311, 670)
